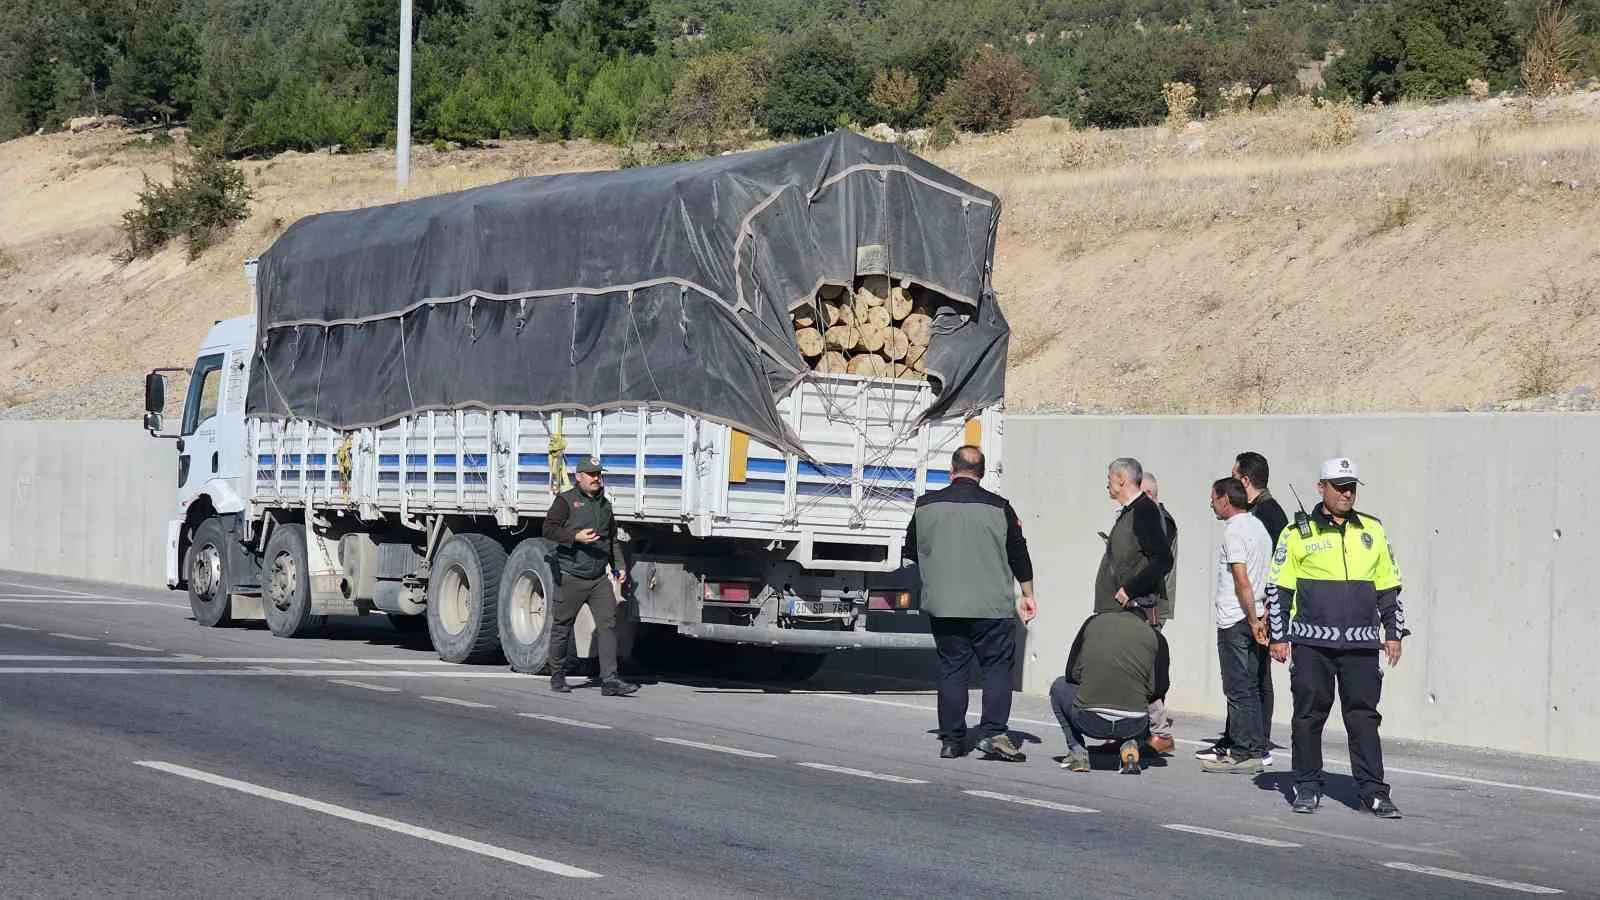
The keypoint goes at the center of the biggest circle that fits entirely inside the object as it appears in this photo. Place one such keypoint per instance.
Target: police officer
(581, 525)
(1334, 594)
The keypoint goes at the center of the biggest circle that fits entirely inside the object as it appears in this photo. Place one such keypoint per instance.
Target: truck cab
(210, 440)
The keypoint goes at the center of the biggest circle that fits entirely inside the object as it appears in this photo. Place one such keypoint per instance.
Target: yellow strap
(343, 457)
(559, 481)
(738, 456)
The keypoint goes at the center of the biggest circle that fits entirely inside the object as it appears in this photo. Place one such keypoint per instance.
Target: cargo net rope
(878, 329)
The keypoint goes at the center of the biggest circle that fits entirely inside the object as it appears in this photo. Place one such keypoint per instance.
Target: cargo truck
(384, 432)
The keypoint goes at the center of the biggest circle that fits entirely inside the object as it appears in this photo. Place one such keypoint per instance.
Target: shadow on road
(1339, 788)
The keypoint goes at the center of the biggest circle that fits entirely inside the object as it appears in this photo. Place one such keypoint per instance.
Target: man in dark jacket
(968, 546)
(1251, 468)
(1116, 669)
(581, 525)
(1137, 557)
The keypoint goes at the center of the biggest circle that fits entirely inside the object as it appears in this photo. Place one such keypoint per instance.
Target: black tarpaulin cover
(668, 285)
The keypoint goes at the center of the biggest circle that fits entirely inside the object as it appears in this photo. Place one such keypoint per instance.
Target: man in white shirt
(1240, 600)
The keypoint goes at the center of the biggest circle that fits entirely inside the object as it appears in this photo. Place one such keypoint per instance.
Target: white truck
(433, 516)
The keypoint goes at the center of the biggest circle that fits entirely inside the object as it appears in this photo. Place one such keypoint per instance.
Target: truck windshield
(205, 389)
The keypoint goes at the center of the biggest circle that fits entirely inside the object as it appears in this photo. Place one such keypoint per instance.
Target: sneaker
(1129, 757)
(1306, 798)
(1382, 807)
(1000, 747)
(951, 750)
(616, 687)
(1076, 761)
(1266, 760)
(1162, 743)
(1232, 765)
(1215, 753)
(558, 683)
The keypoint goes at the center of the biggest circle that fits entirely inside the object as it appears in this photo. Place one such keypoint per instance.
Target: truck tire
(206, 569)
(464, 599)
(286, 583)
(527, 605)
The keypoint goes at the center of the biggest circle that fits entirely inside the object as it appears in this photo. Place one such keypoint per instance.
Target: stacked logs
(879, 330)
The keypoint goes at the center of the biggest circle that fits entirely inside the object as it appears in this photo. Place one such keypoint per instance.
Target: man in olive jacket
(1138, 557)
(968, 546)
(581, 525)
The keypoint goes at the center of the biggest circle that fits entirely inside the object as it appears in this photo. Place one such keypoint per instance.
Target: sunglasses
(1343, 488)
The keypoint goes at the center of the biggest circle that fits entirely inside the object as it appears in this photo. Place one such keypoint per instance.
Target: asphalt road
(146, 756)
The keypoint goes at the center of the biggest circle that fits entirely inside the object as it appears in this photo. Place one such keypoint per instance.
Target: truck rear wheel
(527, 606)
(463, 599)
(286, 583)
(207, 574)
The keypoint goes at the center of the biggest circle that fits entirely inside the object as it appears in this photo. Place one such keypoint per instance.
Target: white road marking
(454, 702)
(139, 647)
(352, 815)
(17, 627)
(1231, 836)
(862, 773)
(364, 686)
(716, 748)
(563, 720)
(73, 601)
(72, 637)
(301, 673)
(1268, 822)
(1029, 801)
(196, 658)
(45, 587)
(1475, 879)
(1329, 761)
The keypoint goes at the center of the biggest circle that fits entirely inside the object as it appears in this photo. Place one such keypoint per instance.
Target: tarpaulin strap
(557, 456)
(343, 457)
(472, 319)
(683, 314)
(522, 314)
(572, 342)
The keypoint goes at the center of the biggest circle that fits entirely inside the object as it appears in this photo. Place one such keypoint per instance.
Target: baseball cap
(1340, 470)
(590, 466)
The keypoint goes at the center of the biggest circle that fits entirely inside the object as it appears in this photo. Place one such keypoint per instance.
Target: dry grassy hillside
(1302, 260)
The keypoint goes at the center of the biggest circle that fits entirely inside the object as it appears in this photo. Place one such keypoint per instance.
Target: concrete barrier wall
(87, 499)
(1490, 516)
(1492, 521)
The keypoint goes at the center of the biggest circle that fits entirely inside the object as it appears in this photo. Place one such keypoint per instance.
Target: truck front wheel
(206, 570)
(463, 599)
(527, 604)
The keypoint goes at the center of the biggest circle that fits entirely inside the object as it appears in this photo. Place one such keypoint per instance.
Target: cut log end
(810, 342)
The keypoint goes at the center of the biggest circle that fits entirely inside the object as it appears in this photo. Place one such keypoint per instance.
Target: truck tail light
(889, 600)
(727, 591)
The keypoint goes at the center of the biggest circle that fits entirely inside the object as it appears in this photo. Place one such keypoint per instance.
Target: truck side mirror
(155, 396)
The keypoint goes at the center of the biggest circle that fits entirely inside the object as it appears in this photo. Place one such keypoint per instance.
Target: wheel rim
(283, 581)
(205, 573)
(529, 608)
(455, 600)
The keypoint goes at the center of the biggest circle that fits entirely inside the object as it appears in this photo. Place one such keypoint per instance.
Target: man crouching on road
(968, 546)
(1117, 668)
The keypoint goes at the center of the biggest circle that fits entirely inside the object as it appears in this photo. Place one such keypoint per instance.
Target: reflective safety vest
(1336, 588)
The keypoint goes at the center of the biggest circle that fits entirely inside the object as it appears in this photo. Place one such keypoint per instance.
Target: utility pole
(402, 131)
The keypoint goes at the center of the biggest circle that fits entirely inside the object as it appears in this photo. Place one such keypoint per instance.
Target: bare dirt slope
(1298, 261)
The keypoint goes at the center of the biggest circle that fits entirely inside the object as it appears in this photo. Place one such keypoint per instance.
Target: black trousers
(1313, 674)
(993, 642)
(571, 595)
(1244, 669)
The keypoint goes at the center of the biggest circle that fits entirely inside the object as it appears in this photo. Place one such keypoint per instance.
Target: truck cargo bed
(871, 460)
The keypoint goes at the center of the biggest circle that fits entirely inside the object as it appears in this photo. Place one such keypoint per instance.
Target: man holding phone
(582, 526)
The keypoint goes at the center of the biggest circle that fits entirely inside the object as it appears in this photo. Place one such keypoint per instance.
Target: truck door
(200, 456)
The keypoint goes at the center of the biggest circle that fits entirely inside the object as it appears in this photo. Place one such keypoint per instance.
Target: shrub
(813, 84)
(895, 96)
(1180, 101)
(715, 97)
(1547, 69)
(208, 194)
(993, 91)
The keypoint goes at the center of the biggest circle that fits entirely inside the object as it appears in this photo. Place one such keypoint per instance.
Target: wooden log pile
(878, 330)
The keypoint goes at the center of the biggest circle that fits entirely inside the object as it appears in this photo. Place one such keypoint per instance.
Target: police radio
(1301, 520)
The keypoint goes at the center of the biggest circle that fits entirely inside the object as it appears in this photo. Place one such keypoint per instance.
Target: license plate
(820, 608)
